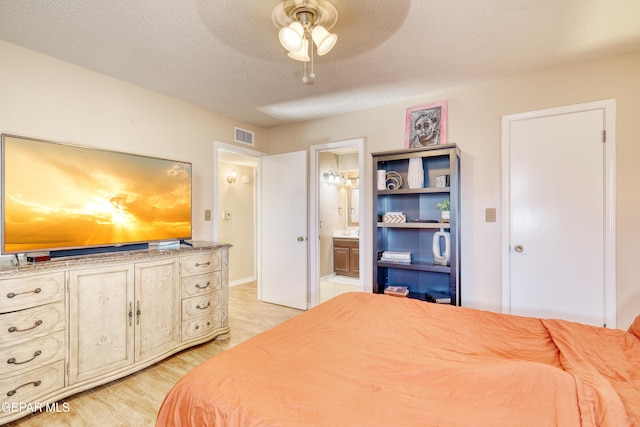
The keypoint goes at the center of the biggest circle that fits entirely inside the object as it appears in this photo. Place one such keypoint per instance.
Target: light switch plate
(490, 215)
(207, 215)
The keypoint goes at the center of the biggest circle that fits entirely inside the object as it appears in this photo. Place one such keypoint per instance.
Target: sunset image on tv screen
(58, 196)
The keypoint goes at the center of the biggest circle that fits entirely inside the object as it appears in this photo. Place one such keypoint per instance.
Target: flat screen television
(60, 198)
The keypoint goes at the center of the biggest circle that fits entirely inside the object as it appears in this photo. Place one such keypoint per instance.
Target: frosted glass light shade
(291, 36)
(301, 54)
(323, 39)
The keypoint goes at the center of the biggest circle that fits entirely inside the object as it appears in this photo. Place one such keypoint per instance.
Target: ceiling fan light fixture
(301, 54)
(291, 36)
(323, 39)
(303, 25)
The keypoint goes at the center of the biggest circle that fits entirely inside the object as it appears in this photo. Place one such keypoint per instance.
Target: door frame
(215, 217)
(314, 215)
(609, 107)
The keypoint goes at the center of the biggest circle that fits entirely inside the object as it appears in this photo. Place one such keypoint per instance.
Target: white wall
(475, 125)
(46, 98)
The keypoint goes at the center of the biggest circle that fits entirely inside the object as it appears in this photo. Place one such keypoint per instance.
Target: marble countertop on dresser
(7, 269)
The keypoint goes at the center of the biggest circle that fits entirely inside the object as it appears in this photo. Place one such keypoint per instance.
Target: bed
(376, 360)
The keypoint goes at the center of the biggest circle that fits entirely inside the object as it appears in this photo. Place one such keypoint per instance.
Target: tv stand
(71, 324)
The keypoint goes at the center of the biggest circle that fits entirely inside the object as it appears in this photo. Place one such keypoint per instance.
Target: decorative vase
(382, 179)
(441, 247)
(415, 174)
(445, 216)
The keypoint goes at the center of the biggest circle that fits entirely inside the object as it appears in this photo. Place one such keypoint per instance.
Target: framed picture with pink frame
(426, 125)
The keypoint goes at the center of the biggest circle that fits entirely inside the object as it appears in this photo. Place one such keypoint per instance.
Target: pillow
(635, 327)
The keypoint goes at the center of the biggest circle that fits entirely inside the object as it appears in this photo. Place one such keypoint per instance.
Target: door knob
(300, 239)
(518, 248)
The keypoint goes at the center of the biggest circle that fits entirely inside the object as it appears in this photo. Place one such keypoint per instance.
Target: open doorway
(336, 223)
(235, 209)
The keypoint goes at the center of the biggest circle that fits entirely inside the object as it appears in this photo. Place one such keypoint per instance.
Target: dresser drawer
(200, 263)
(30, 291)
(198, 326)
(201, 305)
(31, 354)
(30, 385)
(31, 323)
(197, 285)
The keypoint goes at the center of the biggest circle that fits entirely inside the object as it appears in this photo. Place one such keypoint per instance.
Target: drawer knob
(203, 265)
(12, 361)
(203, 287)
(14, 391)
(35, 325)
(13, 294)
(204, 307)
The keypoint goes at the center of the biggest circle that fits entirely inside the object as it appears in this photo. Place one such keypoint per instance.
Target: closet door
(556, 194)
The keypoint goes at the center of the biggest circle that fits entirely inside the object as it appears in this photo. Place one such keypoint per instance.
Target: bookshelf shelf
(430, 225)
(416, 265)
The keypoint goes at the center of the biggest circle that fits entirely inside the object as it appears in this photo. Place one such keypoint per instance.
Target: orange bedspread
(375, 360)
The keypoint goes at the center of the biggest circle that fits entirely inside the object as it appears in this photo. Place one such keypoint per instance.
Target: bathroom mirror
(353, 207)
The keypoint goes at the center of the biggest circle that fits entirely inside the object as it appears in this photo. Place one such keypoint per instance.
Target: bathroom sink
(346, 234)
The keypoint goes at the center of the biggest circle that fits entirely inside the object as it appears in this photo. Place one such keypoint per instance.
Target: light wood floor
(134, 400)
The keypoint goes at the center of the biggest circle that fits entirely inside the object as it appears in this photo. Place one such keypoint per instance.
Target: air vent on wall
(244, 136)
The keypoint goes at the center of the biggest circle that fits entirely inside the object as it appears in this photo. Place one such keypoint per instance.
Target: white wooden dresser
(70, 324)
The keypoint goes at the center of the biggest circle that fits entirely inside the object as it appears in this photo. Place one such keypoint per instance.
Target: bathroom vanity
(346, 254)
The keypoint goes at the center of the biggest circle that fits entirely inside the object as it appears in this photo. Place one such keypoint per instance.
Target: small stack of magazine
(396, 291)
(399, 257)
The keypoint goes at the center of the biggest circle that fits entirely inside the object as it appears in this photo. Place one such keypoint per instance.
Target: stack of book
(438, 297)
(399, 257)
(396, 291)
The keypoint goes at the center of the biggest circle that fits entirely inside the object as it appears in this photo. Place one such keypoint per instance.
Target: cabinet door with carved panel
(157, 307)
(101, 321)
(341, 260)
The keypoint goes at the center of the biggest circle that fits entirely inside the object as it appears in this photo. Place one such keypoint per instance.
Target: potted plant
(445, 210)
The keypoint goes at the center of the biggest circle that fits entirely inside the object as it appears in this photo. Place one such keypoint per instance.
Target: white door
(284, 229)
(556, 217)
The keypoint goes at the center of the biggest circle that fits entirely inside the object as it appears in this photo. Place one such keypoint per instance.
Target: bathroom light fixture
(304, 24)
(231, 178)
(333, 177)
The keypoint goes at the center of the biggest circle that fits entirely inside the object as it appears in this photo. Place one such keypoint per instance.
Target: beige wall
(45, 98)
(330, 201)
(475, 114)
(239, 229)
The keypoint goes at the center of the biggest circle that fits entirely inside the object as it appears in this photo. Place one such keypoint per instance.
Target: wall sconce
(231, 179)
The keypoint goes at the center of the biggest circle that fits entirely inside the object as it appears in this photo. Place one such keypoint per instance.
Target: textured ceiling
(224, 55)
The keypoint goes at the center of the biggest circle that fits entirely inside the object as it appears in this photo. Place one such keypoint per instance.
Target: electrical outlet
(207, 214)
(490, 215)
